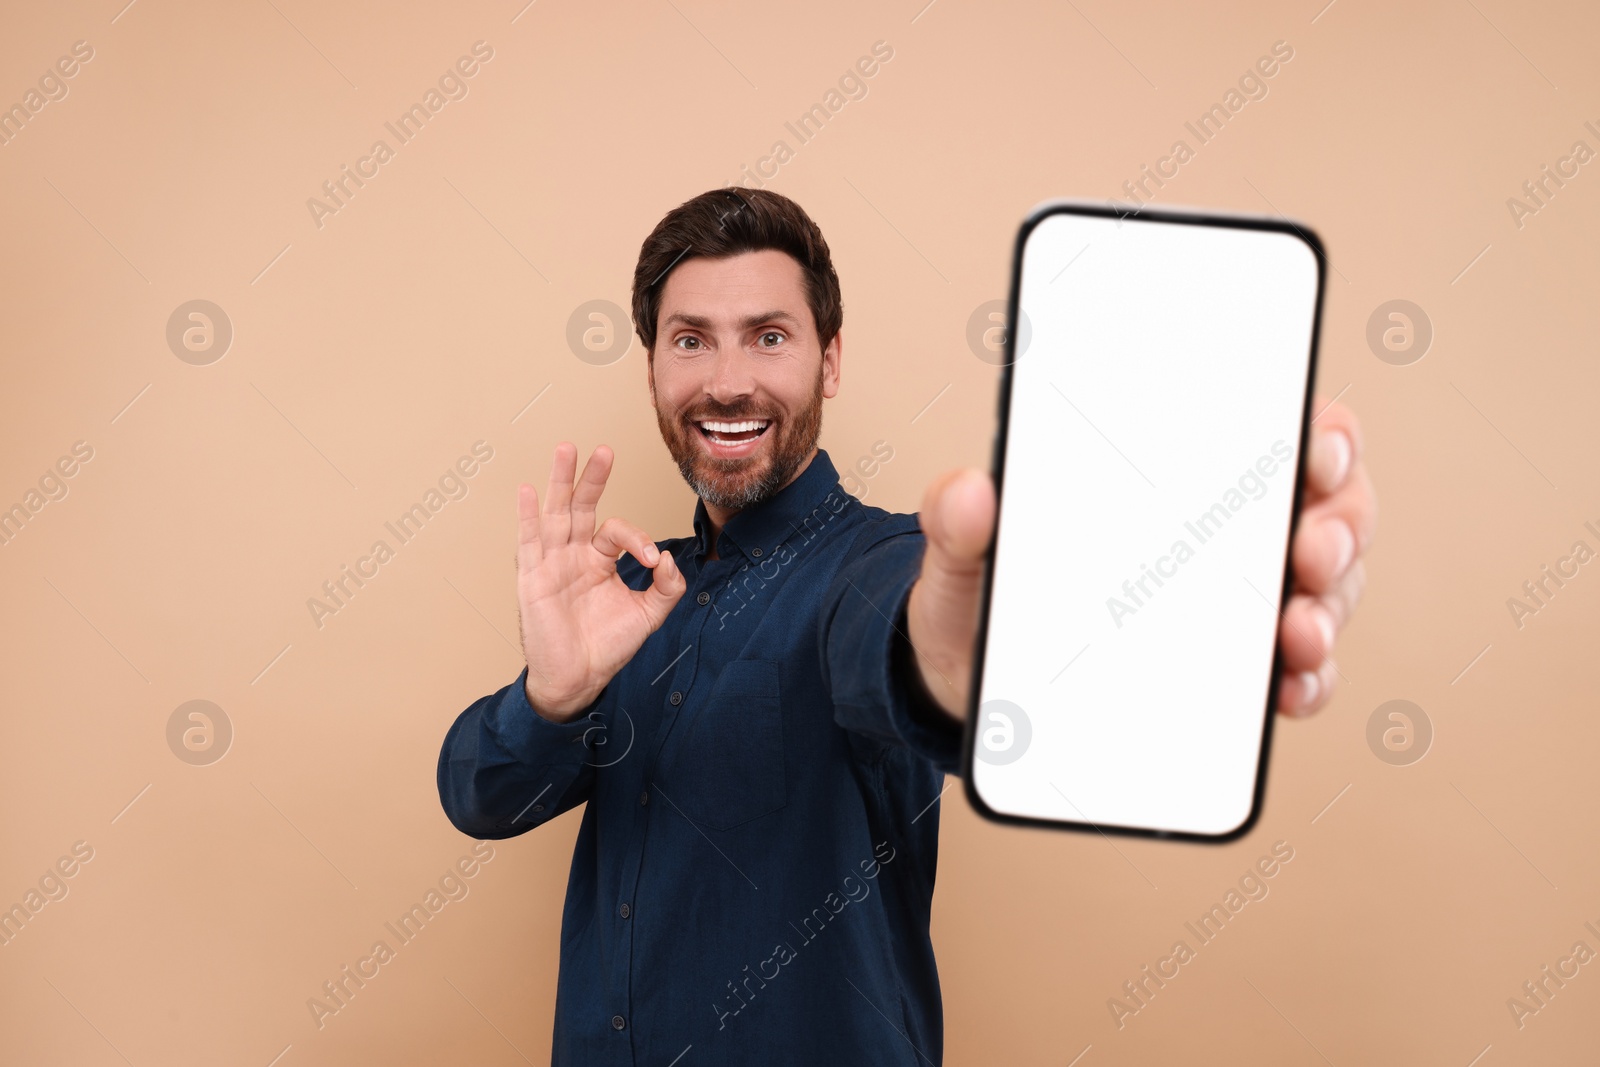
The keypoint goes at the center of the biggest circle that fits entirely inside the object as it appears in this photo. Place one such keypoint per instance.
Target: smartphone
(1155, 403)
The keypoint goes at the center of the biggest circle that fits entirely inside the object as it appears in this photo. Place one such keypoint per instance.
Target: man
(760, 716)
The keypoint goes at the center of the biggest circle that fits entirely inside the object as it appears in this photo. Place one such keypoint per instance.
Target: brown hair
(726, 222)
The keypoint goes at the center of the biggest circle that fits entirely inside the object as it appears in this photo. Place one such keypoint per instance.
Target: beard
(736, 484)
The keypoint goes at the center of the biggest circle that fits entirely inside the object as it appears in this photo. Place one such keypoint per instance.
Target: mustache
(729, 416)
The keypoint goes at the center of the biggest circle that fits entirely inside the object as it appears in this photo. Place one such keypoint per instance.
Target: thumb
(667, 585)
(958, 518)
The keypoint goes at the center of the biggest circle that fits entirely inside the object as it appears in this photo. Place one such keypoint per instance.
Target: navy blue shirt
(753, 876)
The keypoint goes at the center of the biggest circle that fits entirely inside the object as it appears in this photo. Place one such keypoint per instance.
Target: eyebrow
(700, 322)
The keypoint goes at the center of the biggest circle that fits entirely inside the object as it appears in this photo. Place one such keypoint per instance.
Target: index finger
(1334, 450)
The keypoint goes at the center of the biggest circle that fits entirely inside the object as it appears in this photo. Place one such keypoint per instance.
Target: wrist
(928, 683)
(910, 668)
(559, 712)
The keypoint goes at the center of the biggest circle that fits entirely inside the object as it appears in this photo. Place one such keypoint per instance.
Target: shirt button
(625, 911)
(703, 598)
(618, 1022)
(644, 798)
(538, 807)
(756, 552)
(676, 698)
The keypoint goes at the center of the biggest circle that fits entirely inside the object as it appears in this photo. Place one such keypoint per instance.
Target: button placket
(687, 667)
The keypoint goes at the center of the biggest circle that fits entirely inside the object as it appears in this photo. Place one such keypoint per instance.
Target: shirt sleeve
(867, 663)
(505, 769)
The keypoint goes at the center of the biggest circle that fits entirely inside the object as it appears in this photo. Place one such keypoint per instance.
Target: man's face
(736, 345)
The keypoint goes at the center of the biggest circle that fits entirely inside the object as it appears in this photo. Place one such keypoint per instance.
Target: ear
(650, 373)
(831, 357)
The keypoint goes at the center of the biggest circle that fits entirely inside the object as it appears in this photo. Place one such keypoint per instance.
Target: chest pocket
(728, 768)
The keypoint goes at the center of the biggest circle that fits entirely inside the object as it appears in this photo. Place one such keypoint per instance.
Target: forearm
(877, 687)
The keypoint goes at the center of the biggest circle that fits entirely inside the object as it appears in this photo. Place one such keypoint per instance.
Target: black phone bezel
(997, 465)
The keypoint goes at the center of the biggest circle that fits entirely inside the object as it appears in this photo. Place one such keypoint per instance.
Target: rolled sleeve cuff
(505, 769)
(532, 739)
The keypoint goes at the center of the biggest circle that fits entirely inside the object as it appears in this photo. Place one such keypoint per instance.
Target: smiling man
(759, 748)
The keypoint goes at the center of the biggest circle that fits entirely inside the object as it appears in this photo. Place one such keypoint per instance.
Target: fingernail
(1324, 619)
(652, 555)
(1339, 442)
(1344, 545)
(1310, 686)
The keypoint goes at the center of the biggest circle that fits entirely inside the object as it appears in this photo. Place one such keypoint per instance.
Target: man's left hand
(1335, 528)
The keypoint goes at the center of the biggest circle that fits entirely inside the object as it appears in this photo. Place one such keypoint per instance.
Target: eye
(778, 338)
(689, 343)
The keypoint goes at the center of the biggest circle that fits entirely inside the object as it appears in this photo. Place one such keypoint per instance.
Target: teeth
(733, 427)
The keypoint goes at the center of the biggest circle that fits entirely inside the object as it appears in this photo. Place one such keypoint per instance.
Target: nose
(730, 378)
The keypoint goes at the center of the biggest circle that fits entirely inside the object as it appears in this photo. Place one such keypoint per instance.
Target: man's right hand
(580, 622)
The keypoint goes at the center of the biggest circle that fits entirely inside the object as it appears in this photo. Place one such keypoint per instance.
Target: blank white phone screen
(1153, 436)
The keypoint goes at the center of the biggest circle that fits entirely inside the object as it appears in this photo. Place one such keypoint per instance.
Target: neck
(719, 515)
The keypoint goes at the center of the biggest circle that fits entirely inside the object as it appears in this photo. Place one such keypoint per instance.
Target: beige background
(371, 352)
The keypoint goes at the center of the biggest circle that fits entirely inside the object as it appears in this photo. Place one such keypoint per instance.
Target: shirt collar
(760, 528)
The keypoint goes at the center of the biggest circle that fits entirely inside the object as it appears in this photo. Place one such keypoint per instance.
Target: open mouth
(732, 436)
(732, 439)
